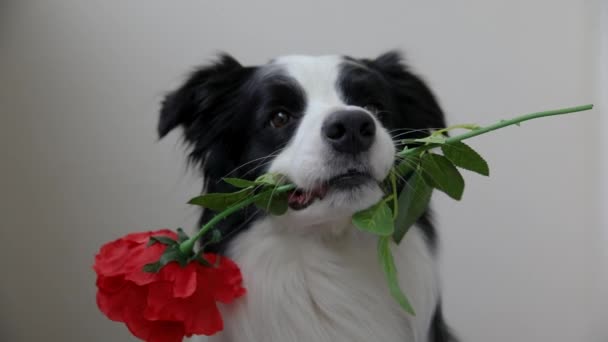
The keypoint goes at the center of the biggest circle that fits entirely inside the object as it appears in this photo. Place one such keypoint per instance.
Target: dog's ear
(202, 97)
(410, 92)
(207, 107)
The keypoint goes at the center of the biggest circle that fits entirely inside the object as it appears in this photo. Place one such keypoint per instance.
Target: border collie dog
(331, 125)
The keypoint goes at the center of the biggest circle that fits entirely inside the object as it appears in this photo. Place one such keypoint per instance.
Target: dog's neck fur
(327, 290)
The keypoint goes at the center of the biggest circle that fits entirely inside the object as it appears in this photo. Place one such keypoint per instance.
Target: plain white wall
(601, 29)
(80, 84)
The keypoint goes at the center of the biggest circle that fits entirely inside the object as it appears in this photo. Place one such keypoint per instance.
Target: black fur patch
(439, 331)
(224, 110)
(408, 108)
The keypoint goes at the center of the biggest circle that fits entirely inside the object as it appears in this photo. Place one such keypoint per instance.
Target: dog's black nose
(349, 131)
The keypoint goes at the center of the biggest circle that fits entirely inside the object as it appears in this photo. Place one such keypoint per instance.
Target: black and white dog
(331, 125)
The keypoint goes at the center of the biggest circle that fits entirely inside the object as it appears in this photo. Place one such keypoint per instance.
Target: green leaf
(390, 271)
(170, 254)
(432, 139)
(152, 267)
(273, 202)
(240, 183)
(221, 201)
(412, 202)
(270, 179)
(443, 131)
(216, 236)
(439, 172)
(162, 239)
(377, 219)
(408, 142)
(181, 235)
(394, 189)
(406, 166)
(464, 156)
(202, 260)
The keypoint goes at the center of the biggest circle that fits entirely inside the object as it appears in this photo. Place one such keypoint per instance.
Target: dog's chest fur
(306, 288)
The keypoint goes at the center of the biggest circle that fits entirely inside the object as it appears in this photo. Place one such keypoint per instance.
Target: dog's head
(330, 124)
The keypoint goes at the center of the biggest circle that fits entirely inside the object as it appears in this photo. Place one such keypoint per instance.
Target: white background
(80, 83)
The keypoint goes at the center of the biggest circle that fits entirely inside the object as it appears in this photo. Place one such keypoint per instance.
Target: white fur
(310, 275)
(305, 159)
(326, 289)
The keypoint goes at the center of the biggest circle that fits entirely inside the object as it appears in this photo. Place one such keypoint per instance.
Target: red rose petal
(166, 332)
(141, 278)
(143, 255)
(110, 284)
(111, 258)
(207, 320)
(160, 303)
(183, 278)
(114, 304)
(149, 331)
(168, 305)
(117, 257)
(134, 318)
(228, 282)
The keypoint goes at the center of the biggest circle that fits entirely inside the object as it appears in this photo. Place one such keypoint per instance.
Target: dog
(332, 126)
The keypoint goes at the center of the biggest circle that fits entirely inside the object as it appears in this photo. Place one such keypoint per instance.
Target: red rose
(167, 305)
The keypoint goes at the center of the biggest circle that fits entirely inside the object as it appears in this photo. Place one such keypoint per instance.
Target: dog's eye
(373, 108)
(280, 119)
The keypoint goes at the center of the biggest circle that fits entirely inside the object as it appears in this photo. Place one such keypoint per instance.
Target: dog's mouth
(299, 199)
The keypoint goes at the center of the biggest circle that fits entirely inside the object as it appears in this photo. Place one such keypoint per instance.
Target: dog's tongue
(299, 199)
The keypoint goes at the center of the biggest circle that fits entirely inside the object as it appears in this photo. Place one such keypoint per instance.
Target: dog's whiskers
(271, 155)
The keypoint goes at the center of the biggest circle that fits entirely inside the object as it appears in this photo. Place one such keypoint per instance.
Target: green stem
(500, 124)
(187, 246)
(453, 127)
